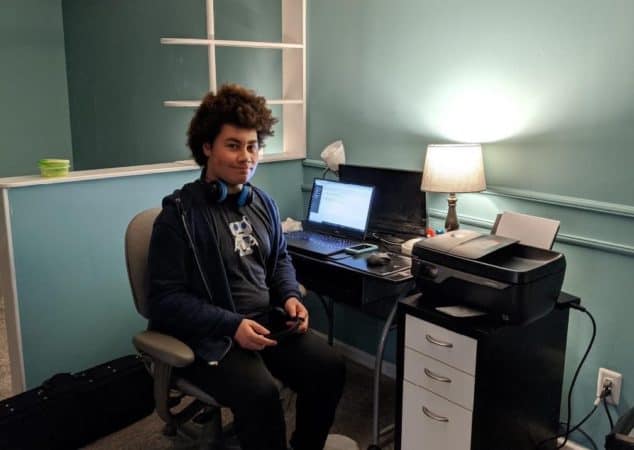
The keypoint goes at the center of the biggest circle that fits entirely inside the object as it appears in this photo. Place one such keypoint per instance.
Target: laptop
(337, 218)
(399, 208)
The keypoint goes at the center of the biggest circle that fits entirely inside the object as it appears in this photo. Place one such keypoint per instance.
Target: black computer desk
(375, 295)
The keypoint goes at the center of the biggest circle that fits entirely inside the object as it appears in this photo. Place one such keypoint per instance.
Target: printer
(495, 274)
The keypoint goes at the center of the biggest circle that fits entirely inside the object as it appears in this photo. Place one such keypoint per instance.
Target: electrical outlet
(616, 379)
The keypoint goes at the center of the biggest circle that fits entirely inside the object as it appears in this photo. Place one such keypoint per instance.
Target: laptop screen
(340, 206)
(399, 206)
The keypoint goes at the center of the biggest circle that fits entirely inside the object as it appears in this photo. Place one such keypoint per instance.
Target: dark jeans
(243, 381)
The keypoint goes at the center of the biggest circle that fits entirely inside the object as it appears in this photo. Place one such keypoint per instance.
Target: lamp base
(451, 222)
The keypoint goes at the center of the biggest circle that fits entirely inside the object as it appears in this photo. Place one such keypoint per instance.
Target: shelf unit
(293, 47)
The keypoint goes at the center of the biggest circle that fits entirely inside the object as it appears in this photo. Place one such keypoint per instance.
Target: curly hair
(233, 105)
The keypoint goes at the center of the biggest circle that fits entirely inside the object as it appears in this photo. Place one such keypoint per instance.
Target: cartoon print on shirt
(244, 240)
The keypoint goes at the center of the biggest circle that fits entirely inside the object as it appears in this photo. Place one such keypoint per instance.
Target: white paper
(460, 311)
(529, 230)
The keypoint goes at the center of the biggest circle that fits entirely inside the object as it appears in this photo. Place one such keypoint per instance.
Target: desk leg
(329, 305)
(377, 378)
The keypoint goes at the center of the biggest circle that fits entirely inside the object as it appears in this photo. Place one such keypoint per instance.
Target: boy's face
(233, 156)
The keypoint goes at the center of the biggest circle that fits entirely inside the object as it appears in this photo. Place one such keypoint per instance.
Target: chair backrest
(137, 245)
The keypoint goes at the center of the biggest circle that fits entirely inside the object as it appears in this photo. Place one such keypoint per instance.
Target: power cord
(585, 435)
(605, 404)
(574, 378)
(385, 241)
(569, 429)
(605, 393)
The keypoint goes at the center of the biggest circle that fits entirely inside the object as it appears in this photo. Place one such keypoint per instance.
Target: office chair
(163, 353)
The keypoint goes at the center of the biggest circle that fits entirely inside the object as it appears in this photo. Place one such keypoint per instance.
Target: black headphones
(217, 192)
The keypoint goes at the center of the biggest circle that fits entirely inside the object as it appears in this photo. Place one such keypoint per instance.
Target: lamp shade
(453, 168)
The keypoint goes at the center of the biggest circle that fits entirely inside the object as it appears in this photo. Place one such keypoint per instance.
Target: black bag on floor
(39, 417)
(69, 411)
(114, 395)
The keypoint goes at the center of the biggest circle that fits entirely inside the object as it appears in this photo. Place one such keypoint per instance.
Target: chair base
(205, 432)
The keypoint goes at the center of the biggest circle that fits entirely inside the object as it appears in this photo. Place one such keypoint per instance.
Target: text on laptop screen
(340, 204)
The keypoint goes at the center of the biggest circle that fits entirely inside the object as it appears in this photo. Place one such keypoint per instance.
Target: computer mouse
(378, 259)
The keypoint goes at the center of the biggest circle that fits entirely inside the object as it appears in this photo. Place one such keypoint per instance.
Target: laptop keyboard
(323, 240)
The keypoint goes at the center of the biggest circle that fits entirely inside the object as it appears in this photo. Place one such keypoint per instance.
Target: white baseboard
(360, 357)
(570, 445)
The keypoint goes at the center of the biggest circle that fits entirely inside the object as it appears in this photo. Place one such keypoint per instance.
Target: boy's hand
(249, 335)
(295, 308)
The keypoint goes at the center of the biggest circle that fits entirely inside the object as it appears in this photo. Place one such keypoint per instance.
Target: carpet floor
(353, 418)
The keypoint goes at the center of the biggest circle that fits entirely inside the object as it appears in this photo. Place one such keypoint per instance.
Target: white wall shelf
(223, 43)
(196, 103)
(181, 103)
(293, 47)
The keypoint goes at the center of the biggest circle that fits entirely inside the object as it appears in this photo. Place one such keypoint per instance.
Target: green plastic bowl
(54, 167)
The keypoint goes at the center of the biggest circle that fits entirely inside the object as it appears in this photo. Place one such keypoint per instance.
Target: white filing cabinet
(438, 385)
(470, 384)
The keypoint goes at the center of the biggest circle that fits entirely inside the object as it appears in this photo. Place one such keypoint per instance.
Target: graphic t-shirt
(245, 246)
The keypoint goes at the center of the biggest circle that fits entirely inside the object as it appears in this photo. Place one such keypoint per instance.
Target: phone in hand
(278, 318)
(361, 248)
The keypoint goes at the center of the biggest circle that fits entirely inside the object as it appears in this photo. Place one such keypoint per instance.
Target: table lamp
(453, 168)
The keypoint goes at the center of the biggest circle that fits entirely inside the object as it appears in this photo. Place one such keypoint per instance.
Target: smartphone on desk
(360, 248)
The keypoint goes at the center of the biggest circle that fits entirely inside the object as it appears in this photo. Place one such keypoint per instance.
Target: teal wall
(96, 71)
(34, 118)
(74, 300)
(75, 305)
(259, 69)
(119, 73)
(547, 87)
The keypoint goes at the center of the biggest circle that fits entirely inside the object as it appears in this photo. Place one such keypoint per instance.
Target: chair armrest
(164, 348)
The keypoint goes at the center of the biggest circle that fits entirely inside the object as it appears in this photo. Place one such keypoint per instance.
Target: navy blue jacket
(179, 303)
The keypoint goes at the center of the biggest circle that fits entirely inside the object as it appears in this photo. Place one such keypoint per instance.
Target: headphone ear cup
(216, 191)
(246, 195)
(223, 191)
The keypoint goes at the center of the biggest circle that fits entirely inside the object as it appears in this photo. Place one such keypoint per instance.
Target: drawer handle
(436, 377)
(433, 416)
(437, 342)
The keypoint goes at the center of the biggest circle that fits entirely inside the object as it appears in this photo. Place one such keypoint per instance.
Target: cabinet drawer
(444, 345)
(433, 423)
(439, 378)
